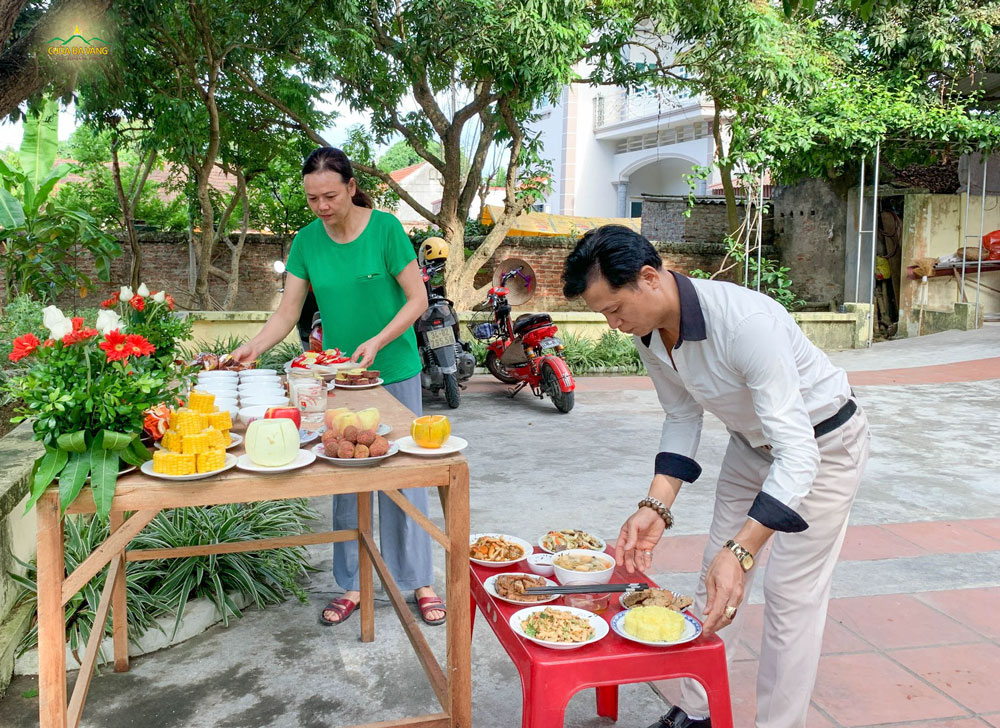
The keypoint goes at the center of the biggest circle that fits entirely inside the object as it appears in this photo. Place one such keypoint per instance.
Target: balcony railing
(621, 106)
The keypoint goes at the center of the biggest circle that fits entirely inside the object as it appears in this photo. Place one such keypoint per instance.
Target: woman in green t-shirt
(363, 271)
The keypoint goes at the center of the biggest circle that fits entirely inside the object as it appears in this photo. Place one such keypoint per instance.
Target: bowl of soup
(583, 566)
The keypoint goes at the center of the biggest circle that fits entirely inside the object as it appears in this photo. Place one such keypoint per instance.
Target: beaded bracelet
(661, 509)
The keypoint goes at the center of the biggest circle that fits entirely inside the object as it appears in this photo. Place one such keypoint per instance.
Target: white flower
(143, 291)
(60, 328)
(107, 321)
(51, 316)
(126, 294)
(160, 296)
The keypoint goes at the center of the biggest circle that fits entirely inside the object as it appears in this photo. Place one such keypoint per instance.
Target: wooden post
(365, 575)
(459, 671)
(119, 604)
(51, 622)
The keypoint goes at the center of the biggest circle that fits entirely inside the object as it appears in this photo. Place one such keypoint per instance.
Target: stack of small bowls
(258, 390)
(223, 385)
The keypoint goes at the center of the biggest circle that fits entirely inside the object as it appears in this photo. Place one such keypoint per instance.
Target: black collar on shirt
(692, 318)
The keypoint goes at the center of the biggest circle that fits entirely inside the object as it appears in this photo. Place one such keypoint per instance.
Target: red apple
(291, 413)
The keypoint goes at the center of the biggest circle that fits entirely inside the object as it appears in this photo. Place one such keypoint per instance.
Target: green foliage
(473, 228)
(22, 315)
(774, 280)
(218, 346)
(613, 349)
(401, 154)
(160, 587)
(276, 357)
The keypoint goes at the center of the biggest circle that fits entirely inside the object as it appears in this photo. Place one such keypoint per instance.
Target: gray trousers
(798, 574)
(405, 546)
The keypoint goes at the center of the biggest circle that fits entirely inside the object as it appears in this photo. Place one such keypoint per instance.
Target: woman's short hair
(614, 251)
(331, 159)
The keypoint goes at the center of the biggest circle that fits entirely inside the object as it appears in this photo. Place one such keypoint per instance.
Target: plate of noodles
(570, 538)
(558, 628)
(496, 550)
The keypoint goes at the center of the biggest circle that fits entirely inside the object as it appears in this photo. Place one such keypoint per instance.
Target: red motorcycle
(524, 351)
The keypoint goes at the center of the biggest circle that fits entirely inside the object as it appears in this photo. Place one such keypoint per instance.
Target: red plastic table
(549, 678)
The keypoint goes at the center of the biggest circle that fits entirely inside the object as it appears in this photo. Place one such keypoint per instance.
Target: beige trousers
(798, 571)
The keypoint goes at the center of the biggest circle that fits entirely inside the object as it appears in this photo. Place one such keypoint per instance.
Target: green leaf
(46, 469)
(115, 440)
(72, 478)
(103, 477)
(40, 142)
(140, 450)
(11, 212)
(73, 441)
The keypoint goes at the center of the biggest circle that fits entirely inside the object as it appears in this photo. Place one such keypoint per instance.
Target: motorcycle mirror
(520, 286)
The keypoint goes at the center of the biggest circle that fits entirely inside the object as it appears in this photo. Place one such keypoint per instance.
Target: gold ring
(729, 613)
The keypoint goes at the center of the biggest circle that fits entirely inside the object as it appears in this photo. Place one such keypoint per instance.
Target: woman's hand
(640, 533)
(246, 354)
(365, 354)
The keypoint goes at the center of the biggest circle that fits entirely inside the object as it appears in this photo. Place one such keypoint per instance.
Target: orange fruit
(430, 431)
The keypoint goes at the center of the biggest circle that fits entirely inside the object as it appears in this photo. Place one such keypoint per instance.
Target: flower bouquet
(86, 391)
(151, 315)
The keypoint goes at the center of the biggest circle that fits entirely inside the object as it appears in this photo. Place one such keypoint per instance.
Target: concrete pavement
(912, 634)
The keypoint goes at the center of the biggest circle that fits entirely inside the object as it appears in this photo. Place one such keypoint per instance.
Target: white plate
(491, 587)
(621, 600)
(147, 468)
(599, 625)
(383, 429)
(358, 386)
(318, 448)
(451, 446)
(235, 439)
(692, 630)
(550, 551)
(301, 460)
(526, 547)
(307, 436)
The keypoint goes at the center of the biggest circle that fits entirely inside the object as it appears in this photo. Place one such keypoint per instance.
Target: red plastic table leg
(472, 615)
(542, 707)
(607, 701)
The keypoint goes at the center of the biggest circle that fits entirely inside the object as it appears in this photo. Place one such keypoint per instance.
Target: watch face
(747, 561)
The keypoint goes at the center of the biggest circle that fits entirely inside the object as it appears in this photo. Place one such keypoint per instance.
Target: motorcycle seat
(527, 321)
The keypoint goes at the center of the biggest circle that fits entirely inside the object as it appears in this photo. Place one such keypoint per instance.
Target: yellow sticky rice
(654, 624)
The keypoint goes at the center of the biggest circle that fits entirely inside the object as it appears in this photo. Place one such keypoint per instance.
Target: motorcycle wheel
(451, 394)
(498, 370)
(550, 383)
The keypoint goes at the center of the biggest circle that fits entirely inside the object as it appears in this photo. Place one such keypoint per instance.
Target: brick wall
(663, 218)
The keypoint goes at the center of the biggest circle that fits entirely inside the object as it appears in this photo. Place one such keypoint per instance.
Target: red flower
(110, 302)
(49, 342)
(138, 345)
(78, 335)
(116, 346)
(138, 302)
(23, 345)
(170, 302)
(77, 322)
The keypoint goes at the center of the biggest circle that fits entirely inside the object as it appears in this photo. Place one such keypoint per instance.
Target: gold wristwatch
(742, 555)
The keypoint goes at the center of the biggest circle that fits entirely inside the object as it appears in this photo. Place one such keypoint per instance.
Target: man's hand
(640, 533)
(724, 582)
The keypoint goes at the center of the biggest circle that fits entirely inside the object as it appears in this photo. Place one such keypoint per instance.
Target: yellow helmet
(434, 248)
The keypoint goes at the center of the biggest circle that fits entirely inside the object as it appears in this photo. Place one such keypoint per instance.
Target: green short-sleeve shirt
(356, 288)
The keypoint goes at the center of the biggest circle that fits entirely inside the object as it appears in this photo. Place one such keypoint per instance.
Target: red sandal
(431, 604)
(343, 608)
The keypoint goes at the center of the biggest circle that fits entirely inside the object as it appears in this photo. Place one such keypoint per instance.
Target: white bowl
(526, 548)
(264, 390)
(228, 404)
(541, 564)
(252, 373)
(218, 374)
(256, 412)
(261, 381)
(275, 401)
(568, 577)
(215, 388)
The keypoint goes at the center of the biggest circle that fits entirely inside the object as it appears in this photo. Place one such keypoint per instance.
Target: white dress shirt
(742, 357)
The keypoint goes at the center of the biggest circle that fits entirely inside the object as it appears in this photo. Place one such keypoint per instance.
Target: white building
(423, 182)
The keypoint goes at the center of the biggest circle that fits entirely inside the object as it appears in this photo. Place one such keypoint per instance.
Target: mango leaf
(40, 142)
(11, 212)
(116, 441)
(103, 477)
(72, 478)
(45, 471)
(73, 441)
(141, 450)
(135, 456)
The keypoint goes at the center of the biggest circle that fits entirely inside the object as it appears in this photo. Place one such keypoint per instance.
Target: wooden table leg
(119, 606)
(459, 669)
(365, 574)
(51, 622)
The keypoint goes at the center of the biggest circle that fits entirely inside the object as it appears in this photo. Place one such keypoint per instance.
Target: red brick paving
(945, 537)
(894, 621)
(966, 673)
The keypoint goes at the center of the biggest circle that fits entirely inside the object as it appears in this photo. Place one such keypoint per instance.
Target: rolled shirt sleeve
(773, 379)
(681, 425)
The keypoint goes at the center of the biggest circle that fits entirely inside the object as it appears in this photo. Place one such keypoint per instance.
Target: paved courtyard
(912, 637)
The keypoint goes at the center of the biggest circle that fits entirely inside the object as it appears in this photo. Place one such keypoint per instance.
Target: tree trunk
(204, 248)
(128, 217)
(726, 170)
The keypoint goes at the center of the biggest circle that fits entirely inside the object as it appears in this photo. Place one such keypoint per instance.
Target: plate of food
(510, 588)
(655, 598)
(451, 446)
(147, 468)
(656, 626)
(570, 538)
(368, 384)
(354, 461)
(558, 628)
(235, 439)
(305, 457)
(496, 550)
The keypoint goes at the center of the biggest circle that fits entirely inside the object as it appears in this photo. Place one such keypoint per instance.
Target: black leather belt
(832, 423)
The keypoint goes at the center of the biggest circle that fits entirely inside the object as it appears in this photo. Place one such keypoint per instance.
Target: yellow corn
(220, 420)
(188, 422)
(227, 439)
(172, 441)
(172, 420)
(194, 444)
(210, 460)
(201, 401)
(173, 463)
(214, 437)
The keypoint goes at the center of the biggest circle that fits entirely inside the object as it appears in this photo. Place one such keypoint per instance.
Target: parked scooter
(525, 351)
(447, 360)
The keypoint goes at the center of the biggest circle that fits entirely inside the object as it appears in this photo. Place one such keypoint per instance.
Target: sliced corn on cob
(173, 463)
(212, 459)
(201, 401)
(194, 444)
(188, 422)
(220, 420)
(172, 441)
(214, 436)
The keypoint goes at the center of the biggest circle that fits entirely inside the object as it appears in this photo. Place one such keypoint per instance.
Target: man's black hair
(616, 252)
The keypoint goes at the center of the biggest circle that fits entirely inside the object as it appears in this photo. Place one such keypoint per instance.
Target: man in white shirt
(798, 445)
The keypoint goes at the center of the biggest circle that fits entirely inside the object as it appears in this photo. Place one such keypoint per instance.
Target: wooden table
(139, 498)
